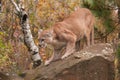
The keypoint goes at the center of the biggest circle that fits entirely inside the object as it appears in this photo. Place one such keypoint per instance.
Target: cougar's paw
(63, 57)
(47, 63)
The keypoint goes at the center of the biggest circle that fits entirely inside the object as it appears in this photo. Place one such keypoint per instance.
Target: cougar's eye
(42, 40)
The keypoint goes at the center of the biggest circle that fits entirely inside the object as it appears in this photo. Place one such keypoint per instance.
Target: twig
(16, 6)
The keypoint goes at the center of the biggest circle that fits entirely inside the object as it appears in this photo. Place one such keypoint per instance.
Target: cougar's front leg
(47, 62)
(55, 56)
(70, 47)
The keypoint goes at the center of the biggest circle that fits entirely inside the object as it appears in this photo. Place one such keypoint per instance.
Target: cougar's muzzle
(42, 43)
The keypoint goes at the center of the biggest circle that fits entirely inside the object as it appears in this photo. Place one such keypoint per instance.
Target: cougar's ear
(39, 31)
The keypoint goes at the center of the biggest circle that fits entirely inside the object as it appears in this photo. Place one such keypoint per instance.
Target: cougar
(68, 33)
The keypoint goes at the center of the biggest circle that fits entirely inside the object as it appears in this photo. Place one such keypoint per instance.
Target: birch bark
(28, 38)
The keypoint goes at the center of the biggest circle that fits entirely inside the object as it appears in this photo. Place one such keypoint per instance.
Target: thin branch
(108, 32)
(16, 6)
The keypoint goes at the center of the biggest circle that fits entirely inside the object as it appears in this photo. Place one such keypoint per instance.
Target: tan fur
(69, 32)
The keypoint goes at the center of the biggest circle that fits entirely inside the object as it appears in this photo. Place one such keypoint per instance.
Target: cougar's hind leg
(92, 32)
(92, 36)
(88, 40)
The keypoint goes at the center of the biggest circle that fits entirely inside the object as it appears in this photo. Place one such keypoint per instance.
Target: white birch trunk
(28, 38)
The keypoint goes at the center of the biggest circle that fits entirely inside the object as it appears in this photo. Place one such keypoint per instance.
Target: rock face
(92, 63)
(3, 76)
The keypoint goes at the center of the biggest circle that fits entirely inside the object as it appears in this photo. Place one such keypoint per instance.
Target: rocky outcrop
(4, 76)
(92, 63)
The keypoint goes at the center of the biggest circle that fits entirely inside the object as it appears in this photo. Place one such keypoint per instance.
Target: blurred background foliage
(42, 15)
(106, 16)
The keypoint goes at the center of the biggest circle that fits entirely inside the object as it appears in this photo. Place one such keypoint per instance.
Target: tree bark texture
(28, 38)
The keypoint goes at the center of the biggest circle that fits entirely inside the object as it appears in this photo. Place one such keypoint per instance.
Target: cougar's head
(45, 37)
